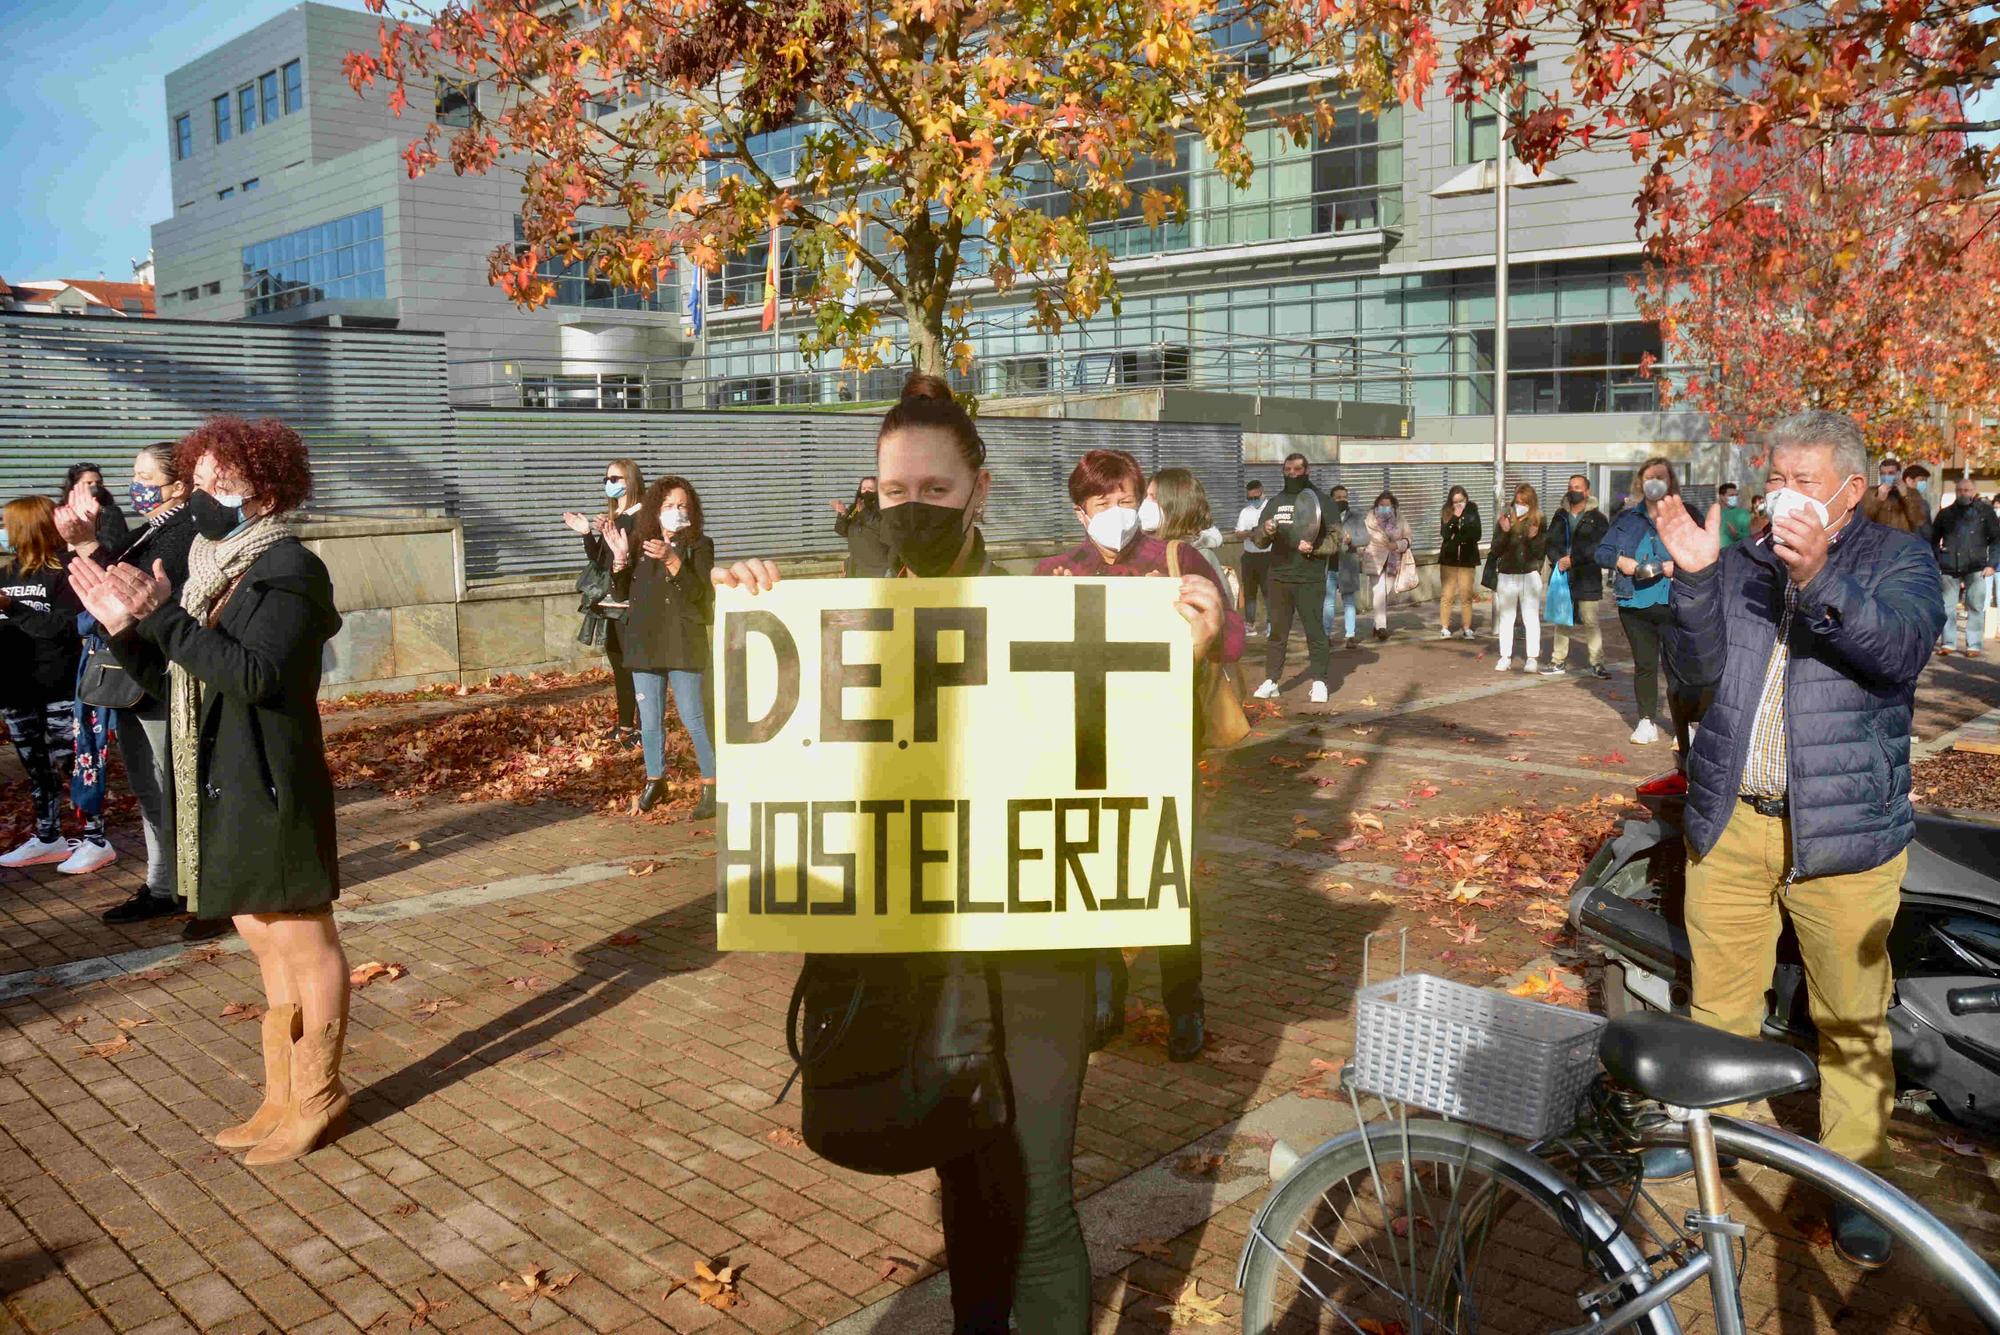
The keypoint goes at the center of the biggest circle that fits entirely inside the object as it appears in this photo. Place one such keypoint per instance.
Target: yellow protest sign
(953, 764)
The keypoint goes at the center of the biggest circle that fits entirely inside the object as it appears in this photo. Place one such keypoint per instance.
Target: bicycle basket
(1474, 1054)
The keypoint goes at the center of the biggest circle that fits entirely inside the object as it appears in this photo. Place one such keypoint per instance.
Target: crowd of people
(192, 642)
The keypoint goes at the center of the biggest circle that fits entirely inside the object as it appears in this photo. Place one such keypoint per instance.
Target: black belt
(1776, 807)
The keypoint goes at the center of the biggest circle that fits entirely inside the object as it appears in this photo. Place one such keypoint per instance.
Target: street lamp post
(1500, 314)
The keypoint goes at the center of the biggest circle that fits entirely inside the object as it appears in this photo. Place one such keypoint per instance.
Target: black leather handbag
(899, 1059)
(103, 681)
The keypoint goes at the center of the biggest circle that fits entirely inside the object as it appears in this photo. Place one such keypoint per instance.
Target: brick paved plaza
(568, 1079)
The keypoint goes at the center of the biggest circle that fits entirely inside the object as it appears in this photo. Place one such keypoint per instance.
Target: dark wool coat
(1577, 536)
(1862, 632)
(667, 628)
(267, 843)
(1458, 537)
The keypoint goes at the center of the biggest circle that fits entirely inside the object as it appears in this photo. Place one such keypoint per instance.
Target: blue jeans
(1974, 588)
(689, 702)
(1335, 599)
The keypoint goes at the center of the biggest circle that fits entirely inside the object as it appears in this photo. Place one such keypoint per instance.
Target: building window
(222, 126)
(183, 136)
(211, 289)
(226, 192)
(574, 288)
(294, 80)
(1476, 133)
(249, 185)
(190, 293)
(455, 103)
(267, 89)
(132, 306)
(331, 261)
(246, 108)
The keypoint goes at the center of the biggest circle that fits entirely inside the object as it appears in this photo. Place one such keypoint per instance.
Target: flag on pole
(695, 300)
(771, 283)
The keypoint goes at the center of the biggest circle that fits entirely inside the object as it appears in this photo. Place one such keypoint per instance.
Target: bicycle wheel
(1458, 1232)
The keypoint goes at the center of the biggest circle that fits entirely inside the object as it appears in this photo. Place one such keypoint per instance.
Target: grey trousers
(149, 768)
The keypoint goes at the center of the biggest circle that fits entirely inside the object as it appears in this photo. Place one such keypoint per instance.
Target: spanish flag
(771, 283)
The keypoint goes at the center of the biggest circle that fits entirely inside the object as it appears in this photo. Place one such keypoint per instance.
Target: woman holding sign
(666, 631)
(1013, 1244)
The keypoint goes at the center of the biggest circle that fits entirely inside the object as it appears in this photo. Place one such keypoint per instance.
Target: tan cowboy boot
(281, 1028)
(319, 1105)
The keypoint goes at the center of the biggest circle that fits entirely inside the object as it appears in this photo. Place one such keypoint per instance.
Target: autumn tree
(1831, 273)
(936, 139)
(1674, 81)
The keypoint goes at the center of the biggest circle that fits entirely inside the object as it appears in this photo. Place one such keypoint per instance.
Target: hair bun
(922, 385)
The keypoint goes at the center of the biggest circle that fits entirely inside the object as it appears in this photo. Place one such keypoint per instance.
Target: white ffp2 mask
(1111, 528)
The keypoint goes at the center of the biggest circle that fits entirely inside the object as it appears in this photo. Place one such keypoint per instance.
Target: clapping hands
(1692, 546)
(619, 543)
(119, 596)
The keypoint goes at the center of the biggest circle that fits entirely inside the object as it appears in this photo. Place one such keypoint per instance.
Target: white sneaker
(1444, 635)
(38, 851)
(1468, 633)
(89, 855)
(1645, 734)
(1529, 666)
(1318, 693)
(1268, 691)
(1503, 665)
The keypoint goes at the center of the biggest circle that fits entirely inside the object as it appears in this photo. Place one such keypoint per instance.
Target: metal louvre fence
(370, 403)
(1420, 489)
(373, 408)
(765, 478)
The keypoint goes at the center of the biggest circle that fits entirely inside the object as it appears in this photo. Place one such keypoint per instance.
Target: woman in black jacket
(1458, 557)
(1574, 532)
(39, 650)
(159, 498)
(83, 486)
(666, 629)
(1520, 542)
(237, 658)
(623, 486)
(860, 522)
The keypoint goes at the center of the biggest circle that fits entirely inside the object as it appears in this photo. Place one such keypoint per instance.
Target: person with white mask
(666, 581)
(623, 486)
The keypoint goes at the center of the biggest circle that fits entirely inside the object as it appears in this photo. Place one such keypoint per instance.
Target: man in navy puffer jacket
(1812, 636)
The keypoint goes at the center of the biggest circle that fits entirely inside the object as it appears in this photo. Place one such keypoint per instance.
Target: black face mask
(212, 519)
(866, 500)
(924, 539)
(1294, 485)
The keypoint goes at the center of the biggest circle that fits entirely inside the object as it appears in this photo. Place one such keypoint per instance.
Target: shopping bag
(1560, 608)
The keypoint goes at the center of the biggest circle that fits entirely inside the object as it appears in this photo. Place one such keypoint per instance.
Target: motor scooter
(1944, 947)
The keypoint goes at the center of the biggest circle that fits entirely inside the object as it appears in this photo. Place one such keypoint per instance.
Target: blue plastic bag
(1559, 608)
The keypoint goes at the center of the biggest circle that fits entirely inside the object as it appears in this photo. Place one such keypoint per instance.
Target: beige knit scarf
(213, 569)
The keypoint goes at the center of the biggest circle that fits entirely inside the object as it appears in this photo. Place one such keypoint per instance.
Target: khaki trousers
(1455, 586)
(1734, 898)
(1587, 625)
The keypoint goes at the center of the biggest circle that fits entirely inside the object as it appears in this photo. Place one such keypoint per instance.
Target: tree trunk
(927, 349)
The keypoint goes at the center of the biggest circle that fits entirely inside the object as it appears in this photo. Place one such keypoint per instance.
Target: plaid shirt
(1764, 766)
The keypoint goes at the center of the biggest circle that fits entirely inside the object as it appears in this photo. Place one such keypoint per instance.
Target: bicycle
(1410, 1227)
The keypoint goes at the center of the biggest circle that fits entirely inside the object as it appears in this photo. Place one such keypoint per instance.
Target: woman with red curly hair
(237, 658)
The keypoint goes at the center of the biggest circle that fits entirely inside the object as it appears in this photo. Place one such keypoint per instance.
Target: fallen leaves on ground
(544, 947)
(713, 1285)
(533, 983)
(1957, 1146)
(1191, 1308)
(786, 1138)
(1550, 987)
(372, 970)
(430, 1006)
(411, 846)
(71, 1026)
(406, 1209)
(134, 1021)
(1321, 1080)
(109, 1048)
(1961, 780)
(420, 1315)
(242, 1010)
(1371, 1326)
(888, 1267)
(1146, 1024)
(1153, 1249)
(536, 1282)
(624, 939)
(642, 868)
(525, 750)
(512, 684)
(1199, 1164)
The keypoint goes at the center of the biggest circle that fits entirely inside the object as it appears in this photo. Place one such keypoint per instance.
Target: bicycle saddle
(1688, 1064)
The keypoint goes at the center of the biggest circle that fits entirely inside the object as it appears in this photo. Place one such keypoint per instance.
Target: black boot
(1108, 987)
(1188, 1037)
(705, 809)
(1857, 1237)
(141, 907)
(653, 793)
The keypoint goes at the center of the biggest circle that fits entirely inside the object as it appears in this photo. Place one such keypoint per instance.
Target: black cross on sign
(1092, 659)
